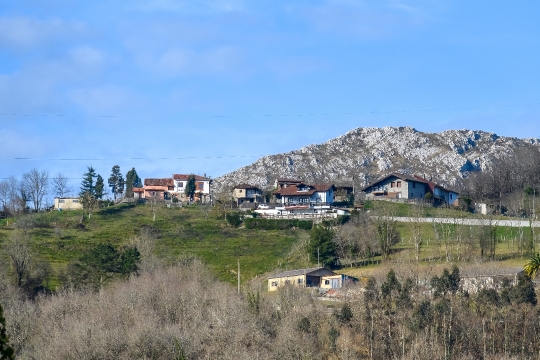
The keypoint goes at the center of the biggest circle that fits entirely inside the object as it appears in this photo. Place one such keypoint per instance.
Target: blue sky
(218, 83)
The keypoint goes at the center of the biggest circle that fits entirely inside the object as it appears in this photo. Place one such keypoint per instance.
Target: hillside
(57, 239)
(365, 154)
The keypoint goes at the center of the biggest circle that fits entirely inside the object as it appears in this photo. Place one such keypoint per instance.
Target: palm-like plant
(532, 266)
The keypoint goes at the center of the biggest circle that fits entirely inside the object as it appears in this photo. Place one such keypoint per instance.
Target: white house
(67, 203)
(306, 194)
(401, 186)
(202, 184)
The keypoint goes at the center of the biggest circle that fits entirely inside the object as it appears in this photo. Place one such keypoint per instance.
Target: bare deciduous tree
(18, 250)
(4, 195)
(60, 185)
(35, 184)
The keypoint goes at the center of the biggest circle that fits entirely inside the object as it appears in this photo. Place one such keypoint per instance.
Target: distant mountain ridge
(364, 154)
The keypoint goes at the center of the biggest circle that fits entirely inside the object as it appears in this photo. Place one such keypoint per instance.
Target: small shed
(67, 203)
(318, 277)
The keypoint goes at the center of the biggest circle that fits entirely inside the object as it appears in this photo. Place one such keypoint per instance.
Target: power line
(293, 115)
(135, 158)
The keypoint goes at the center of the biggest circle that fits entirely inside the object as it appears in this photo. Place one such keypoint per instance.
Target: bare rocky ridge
(364, 154)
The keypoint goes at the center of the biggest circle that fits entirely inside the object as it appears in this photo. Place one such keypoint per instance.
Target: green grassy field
(187, 231)
(180, 231)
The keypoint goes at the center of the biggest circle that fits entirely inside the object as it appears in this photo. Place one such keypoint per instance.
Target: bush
(273, 224)
(234, 219)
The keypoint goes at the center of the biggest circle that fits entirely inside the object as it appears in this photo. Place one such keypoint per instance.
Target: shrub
(273, 224)
(234, 219)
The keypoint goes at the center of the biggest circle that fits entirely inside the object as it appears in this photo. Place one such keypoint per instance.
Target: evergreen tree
(88, 183)
(102, 262)
(116, 182)
(321, 245)
(99, 189)
(132, 180)
(6, 351)
(191, 187)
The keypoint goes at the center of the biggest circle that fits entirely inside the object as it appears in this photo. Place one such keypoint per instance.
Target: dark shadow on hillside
(115, 210)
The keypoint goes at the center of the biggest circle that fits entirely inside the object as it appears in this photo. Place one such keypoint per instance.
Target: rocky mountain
(365, 154)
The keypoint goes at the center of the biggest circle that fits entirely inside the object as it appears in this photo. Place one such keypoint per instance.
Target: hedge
(273, 224)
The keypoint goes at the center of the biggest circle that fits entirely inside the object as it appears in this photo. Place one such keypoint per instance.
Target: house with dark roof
(202, 185)
(281, 183)
(406, 187)
(318, 277)
(306, 194)
(246, 193)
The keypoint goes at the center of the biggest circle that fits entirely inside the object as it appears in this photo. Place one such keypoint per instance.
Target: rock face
(364, 154)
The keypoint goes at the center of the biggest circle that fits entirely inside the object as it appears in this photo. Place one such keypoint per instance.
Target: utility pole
(534, 210)
(318, 264)
(238, 276)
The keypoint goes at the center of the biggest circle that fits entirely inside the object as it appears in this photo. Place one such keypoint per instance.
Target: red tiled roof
(159, 182)
(322, 187)
(137, 190)
(186, 176)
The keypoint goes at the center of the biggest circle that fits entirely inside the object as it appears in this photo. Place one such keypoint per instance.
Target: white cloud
(15, 144)
(193, 6)
(102, 100)
(297, 65)
(87, 57)
(369, 20)
(25, 32)
(183, 62)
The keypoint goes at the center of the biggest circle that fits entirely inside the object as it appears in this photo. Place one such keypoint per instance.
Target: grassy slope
(187, 232)
(180, 232)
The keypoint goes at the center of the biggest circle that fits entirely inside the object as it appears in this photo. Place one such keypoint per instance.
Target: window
(287, 282)
(399, 184)
(240, 190)
(200, 186)
(450, 196)
(180, 184)
(274, 283)
(392, 184)
(326, 282)
(61, 201)
(76, 200)
(414, 185)
(300, 281)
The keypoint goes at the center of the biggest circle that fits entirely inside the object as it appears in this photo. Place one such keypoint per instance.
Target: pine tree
(132, 180)
(321, 245)
(116, 181)
(99, 189)
(191, 187)
(88, 184)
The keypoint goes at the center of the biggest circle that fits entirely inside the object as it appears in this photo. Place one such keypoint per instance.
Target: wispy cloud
(177, 62)
(104, 100)
(22, 33)
(193, 6)
(367, 20)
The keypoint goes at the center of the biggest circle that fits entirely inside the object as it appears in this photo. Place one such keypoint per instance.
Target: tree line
(30, 193)
(181, 311)
(511, 184)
